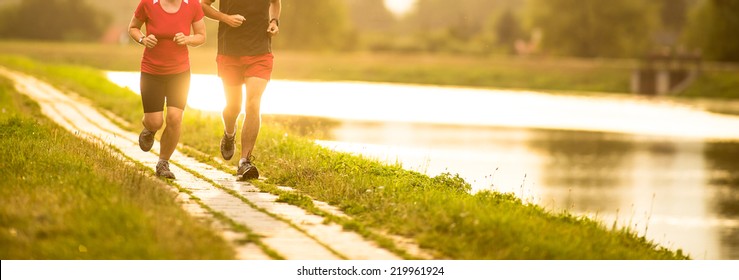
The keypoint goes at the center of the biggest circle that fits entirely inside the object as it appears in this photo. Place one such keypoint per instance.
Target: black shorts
(156, 89)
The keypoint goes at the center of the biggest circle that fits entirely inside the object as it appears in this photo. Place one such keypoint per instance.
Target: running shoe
(146, 140)
(163, 170)
(247, 171)
(227, 146)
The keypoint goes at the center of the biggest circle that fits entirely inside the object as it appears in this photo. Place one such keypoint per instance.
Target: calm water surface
(668, 171)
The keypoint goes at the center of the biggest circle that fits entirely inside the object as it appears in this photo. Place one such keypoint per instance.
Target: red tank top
(167, 57)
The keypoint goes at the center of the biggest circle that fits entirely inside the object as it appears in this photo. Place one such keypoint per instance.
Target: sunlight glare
(399, 7)
(206, 91)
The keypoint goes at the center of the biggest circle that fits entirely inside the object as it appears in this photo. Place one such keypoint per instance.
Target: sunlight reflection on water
(466, 106)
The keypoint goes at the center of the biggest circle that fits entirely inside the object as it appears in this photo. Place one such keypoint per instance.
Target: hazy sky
(399, 6)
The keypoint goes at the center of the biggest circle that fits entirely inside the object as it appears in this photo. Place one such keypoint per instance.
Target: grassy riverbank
(65, 198)
(534, 73)
(439, 212)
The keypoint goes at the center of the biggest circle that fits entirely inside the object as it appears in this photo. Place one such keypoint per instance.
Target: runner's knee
(174, 116)
(253, 104)
(232, 109)
(174, 120)
(153, 123)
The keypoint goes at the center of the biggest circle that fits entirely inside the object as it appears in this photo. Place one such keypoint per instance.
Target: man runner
(245, 32)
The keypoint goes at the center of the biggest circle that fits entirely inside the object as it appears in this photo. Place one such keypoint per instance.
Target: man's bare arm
(213, 13)
(275, 8)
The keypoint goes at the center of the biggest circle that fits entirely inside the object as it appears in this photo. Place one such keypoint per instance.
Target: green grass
(489, 72)
(535, 73)
(65, 198)
(438, 212)
(722, 84)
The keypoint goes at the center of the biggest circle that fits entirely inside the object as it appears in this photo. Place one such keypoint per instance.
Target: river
(669, 171)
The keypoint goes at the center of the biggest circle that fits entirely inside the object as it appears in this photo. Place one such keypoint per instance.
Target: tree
(507, 29)
(316, 25)
(440, 14)
(713, 28)
(673, 14)
(590, 28)
(53, 20)
(461, 26)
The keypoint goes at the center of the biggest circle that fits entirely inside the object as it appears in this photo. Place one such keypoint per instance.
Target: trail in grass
(257, 225)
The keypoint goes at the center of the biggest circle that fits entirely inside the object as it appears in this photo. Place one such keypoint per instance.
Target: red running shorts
(233, 70)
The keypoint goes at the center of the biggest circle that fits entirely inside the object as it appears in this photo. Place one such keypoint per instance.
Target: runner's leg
(252, 121)
(233, 107)
(153, 90)
(171, 134)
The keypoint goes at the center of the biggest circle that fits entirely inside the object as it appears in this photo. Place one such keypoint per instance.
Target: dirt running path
(287, 230)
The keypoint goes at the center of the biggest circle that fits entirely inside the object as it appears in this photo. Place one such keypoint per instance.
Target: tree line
(582, 28)
(68, 20)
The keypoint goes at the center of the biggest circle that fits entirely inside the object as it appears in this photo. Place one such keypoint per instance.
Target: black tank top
(251, 37)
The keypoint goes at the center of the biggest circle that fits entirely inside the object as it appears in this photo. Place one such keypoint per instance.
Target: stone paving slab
(289, 230)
